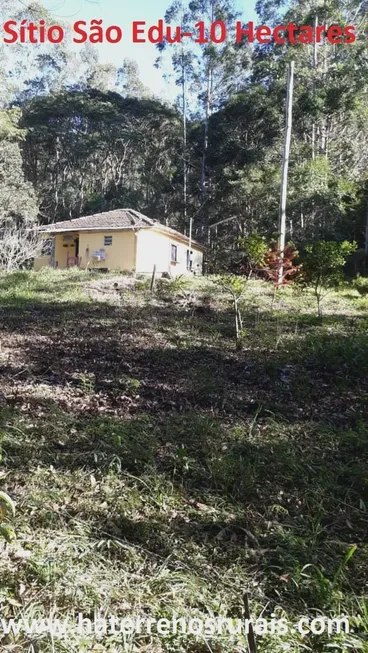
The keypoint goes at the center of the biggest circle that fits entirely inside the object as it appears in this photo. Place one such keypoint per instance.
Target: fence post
(153, 278)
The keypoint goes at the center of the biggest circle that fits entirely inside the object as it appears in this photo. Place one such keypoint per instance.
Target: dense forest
(78, 136)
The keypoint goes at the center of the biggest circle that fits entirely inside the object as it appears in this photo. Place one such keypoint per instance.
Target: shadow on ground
(265, 449)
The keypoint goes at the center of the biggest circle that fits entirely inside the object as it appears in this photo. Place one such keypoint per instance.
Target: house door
(72, 257)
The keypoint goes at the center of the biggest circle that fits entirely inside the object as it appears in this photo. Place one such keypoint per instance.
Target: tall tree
(221, 72)
(18, 204)
(207, 73)
(89, 150)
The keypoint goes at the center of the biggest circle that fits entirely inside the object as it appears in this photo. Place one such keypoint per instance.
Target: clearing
(156, 469)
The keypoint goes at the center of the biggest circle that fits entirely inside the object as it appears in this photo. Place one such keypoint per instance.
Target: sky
(123, 13)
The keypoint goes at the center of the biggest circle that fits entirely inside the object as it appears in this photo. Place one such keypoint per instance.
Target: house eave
(78, 229)
(170, 234)
(178, 236)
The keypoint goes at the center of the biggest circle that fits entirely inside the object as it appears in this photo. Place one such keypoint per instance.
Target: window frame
(107, 244)
(174, 248)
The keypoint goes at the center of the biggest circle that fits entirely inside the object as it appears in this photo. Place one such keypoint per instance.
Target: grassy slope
(156, 469)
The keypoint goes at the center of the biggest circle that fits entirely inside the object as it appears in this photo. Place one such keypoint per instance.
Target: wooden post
(285, 164)
(153, 278)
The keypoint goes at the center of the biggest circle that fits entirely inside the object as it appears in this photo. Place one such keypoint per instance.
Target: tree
(220, 73)
(18, 204)
(244, 139)
(182, 59)
(89, 151)
(322, 267)
(330, 101)
(254, 249)
(207, 74)
(19, 245)
(275, 258)
(235, 286)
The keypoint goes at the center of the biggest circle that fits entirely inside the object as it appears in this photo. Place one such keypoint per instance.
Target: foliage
(18, 246)
(322, 267)
(361, 285)
(254, 248)
(172, 286)
(266, 260)
(233, 284)
(236, 286)
(133, 143)
(223, 141)
(275, 259)
(6, 505)
(17, 198)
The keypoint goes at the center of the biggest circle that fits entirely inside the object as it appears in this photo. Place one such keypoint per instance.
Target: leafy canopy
(324, 261)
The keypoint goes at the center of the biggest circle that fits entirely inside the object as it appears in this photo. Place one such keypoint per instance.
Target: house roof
(115, 220)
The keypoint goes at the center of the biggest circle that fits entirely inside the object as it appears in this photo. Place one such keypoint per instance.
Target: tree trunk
(285, 164)
(205, 137)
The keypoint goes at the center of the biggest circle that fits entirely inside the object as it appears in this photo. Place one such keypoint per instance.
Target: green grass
(156, 469)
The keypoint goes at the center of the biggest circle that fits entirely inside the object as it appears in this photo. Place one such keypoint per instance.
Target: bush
(361, 285)
(172, 286)
(275, 260)
(322, 267)
(255, 249)
(235, 287)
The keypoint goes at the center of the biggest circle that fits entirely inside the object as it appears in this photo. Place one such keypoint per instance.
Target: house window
(107, 241)
(174, 254)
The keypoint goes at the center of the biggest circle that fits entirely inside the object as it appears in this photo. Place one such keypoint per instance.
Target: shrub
(275, 259)
(361, 285)
(235, 286)
(254, 249)
(323, 265)
(6, 506)
(172, 286)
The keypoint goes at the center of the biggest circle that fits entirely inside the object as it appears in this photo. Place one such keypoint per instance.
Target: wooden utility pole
(315, 64)
(185, 168)
(184, 102)
(285, 164)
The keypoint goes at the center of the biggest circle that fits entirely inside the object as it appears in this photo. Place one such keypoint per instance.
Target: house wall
(64, 248)
(130, 250)
(154, 248)
(197, 260)
(118, 256)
